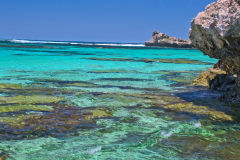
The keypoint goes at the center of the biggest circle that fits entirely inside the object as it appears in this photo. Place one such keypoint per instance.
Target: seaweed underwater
(119, 104)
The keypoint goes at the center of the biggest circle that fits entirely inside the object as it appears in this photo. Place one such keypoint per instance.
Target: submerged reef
(163, 40)
(145, 60)
(216, 32)
(151, 120)
(37, 112)
(42, 114)
(119, 103)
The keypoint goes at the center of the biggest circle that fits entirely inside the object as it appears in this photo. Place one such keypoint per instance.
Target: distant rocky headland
(163, 40)
(216, 32)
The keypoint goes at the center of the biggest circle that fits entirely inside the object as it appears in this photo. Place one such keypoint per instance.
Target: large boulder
(163, 40)
(216, 32)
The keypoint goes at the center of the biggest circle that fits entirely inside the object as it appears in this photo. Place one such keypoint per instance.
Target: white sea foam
(124, 45)
(197, 124)
(94, 150)
(23, 41)
(111, 44)
(31, 41)
(79, 43)
(166, 134)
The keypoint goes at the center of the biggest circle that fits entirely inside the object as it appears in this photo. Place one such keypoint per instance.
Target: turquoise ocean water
(80, 101)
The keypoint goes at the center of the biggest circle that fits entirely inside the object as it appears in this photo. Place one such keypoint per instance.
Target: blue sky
(96, 20)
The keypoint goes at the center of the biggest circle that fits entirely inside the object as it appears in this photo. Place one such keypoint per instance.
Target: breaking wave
(79, 43)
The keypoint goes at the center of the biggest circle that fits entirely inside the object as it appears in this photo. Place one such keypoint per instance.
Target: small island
(163, 40)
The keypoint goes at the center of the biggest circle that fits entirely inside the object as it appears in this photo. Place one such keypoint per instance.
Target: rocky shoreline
(163, 40)
(216, 32)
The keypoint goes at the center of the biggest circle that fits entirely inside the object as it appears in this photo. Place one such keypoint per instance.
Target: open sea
(106, 101)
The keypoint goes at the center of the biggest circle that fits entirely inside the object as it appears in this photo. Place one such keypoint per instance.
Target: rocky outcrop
(215, 79)
(216, 32)
(163, 40)
(206, 77)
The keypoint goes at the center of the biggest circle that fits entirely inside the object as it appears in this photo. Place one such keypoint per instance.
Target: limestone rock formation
(209, 75)
(163, 40)
(215, 79)
(216, 32)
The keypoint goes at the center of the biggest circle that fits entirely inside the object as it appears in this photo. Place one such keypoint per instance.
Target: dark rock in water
(216, 79)
(222, 82)
(163, 40)
(233, 95)
(216, 32)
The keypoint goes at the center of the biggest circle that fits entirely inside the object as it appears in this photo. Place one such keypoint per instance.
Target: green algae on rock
(41, 115)
(15, 108)
(57, 122)
(100, 99)
(96, 113)
(35, 90)
(10, 86)
(29, 100)
(199, 110)
(180, 78)
(204, 78)
(17, 119)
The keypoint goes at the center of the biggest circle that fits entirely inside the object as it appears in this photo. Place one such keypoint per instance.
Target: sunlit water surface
(77, 102)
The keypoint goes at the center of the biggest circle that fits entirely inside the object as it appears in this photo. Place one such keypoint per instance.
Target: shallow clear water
(65, 101)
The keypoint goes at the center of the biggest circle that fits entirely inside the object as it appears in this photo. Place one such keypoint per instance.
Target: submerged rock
(151, 60)
(163, 40)
(10, 86)
(216, 32)
(30, 112)
(63, 120)
(29, 100)
(191, 108)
